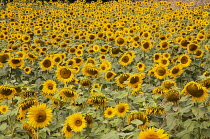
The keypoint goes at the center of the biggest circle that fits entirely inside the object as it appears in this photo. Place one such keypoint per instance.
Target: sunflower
(184, 60)
(4, 57)
(120, 41)
(68, 94)
(121, 79)
(3, 109)
(172, 95)
(135, 80)
(16, 63)
(89, 119)
(26, 104)
(85, 83)
(164, 45)
(64, 74)
(30, 130)
(166, 55)
(141, 67)
(192, 47)
(206, 83)
(115, 51)
(157, 57)
(184, 43)
(155, 110)
(97, 100)
(27, 70)
(39, 116)
(125, 60)
(26, 38)
(78, 61)
(7, 92)
(67, 130)
(146, 45)
(168, 84)
(198, 92)
(140, 116)
(91, 60)
(77, 122)
(150, 133)
(164, 62)
(199, 53)
(28, 94)
(49, 87)
(121, 109)
(90, 70)
(102, 57)
(158, 90)
(47, 64)
(109, 75)
(109, 112)
(160, 71)
(176, 70)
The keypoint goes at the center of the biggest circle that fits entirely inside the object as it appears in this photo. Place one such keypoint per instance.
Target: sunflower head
(77, 122)
(49, 87)
(121, 109)
(47, 64)
(97, 100)
(150, 133)
(160, 71)
(158, 90)
(3, 109)
(68, 94)
(140, 116)
(16, 63)
(89, 119)
(172, 95)
(121, 79)
(168, 84)
(185, 60)
(206, 83)
(155, 110)
(7, 92)
(109, 112)
(64, 74)
(109, 75)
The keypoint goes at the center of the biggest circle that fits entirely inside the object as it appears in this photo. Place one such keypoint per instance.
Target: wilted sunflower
(7, 92)
(49, 87)
(155, 110)
(67, 130)
(47, 64)
(172, 95)
(77, 122)
(121, 109)
(30, 130)
(158, 90)
(121, 79)
(90, 70)
(198, 92)
(160, 71)
(97, 100)
(89, 119)
(109, 112)
(68, 94)
(27, 70)
(64, 74)
(16, 63)
(28, 94)
(140, 116)
(205, 83)
(115, 51)
(39, 116)
(3, 58)
(150, 133)
(109, 75)
(26, 104)
(168, 84)
(185, 60)
(176, 70)
(85, 83)
(3, 109)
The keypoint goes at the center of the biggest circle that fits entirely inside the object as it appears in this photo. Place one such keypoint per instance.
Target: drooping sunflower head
(30, 130)
(67, 130)
(7, 92)
(140, 116)
(198, 92)
(121, 79)
(150, 133)
(28, 94)
(77, 122)
(168, 84)
(85, 83)
(64, 74)
(49, 87)
(26, 104)
(90, 70)
(115, 51)
(121, 109)
(4, 57)
(206, 83)
(89, 119)
(155, 110)
(109, 112)
(39, 116)
(97, 100)
(158, 90)
(68, 94)
(172, 95)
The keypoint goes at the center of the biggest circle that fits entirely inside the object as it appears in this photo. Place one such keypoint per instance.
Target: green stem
(37, 133)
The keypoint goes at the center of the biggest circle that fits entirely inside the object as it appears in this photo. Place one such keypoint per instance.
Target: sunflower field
(104, 70)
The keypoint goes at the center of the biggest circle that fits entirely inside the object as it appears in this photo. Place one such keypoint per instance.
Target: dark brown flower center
(161, 71)
(47, 63)
(41, 116)
(65, 73)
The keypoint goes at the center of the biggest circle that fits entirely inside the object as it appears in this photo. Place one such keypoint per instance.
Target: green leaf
(199, 112)
(206, 132)
(137, 122)
(128, 128)
(139, 99)
(3, 126)
(110, 135)
(122, 95)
